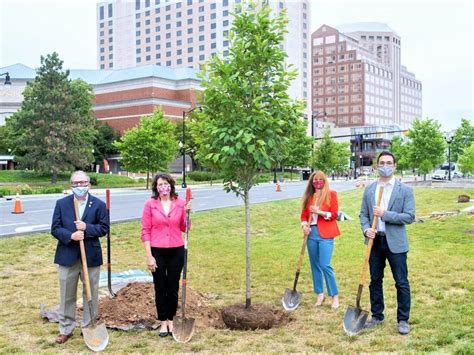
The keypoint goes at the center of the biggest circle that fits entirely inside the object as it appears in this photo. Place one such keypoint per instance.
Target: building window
(137, 33)
(179, 61)
(225, 2)
(111, 65)
(190, 30)
(225, 13)
(226, 43)
(201, 18)
(179, 52)
(102, 66)
(158, 37)
(168, 26)
(138, 50)
(190, 49)
(158, 47)
(178, 5)
(201, 47)
(213, 6)
(138, 59)
(137, 6)
(102, 41)
(178, 25)
(102, 50)
(201, 28)
(168, 17)
(178, 14)
(201, 8)
(168, 54)
(225, 23)
(101, 13)
(168, 35)
(137, 16)
(213, 45)
(190, 11)
(147, 13)
(157, 10)
(190, 40)
(157, 28)
(201, 38)
(213, 16)
(179, 42)
(168, 44)
(168, 8)
(147, 3)
(158, 56)
(213, 35)
(190, 59)
(190, 21)
(137, 24)
(190, 2)
(168, 63)
(147, 22)
(147, 31)
(201, 57)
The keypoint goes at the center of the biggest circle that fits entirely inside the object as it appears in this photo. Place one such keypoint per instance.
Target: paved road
(127, 204)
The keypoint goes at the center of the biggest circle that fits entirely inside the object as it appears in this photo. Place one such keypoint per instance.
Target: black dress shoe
(170, 334)
(163, 334)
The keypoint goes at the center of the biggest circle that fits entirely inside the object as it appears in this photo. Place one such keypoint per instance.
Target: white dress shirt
(387, 193)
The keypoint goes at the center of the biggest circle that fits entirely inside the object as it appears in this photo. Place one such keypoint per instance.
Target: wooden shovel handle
(85, 271)
(370, 243)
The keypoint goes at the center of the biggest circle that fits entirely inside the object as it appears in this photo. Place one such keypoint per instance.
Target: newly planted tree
(248, 115)
(150, 146)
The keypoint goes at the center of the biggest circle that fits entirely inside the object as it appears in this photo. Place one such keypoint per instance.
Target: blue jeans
(320, 253)
(398, 264)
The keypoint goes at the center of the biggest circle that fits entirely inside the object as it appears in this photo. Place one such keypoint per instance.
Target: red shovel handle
(189, 194)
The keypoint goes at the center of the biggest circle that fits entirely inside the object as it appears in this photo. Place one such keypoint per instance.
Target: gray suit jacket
(400, 211)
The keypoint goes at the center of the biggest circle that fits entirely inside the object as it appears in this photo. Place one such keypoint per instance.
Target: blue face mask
(385, 171)
(80, 191)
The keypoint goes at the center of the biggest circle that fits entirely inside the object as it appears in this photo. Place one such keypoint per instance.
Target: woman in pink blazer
(163, 222)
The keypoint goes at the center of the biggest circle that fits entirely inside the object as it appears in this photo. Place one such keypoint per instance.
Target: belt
(381, 234)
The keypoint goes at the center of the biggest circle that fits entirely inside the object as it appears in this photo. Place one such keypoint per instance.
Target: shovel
(183, 328)
(95, 336)
(291, 298)
(109, 263)
(355, 317)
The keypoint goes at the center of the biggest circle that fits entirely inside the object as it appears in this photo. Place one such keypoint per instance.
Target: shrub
(4, 191)
(94, 180)
(51, 189)
(203, 175)
(25, 189)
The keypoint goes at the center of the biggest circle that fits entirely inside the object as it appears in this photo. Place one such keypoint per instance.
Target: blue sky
(437, 39)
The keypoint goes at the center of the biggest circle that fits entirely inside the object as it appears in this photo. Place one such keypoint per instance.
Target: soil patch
(134, 308)
(259, 316)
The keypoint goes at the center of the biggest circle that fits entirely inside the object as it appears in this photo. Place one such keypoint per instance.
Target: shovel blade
(183, 329)
(291, 299)
(354, 320)
(96, 337)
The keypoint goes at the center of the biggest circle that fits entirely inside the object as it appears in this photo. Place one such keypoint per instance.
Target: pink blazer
(163, 231)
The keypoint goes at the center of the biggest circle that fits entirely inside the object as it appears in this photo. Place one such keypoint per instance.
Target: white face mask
(80, 191)
(385, 171)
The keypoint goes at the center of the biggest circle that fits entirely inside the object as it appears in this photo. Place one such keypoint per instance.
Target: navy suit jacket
(97, 225)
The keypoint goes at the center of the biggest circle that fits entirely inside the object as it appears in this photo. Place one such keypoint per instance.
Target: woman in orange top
(318, 220)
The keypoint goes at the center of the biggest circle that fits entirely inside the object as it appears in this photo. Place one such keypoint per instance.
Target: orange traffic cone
(17, 207)
(278, 188)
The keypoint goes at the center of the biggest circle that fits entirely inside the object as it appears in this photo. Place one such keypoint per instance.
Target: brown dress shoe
(62, 338)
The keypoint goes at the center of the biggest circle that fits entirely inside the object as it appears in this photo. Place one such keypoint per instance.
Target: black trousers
(170, 262)
(398, 264)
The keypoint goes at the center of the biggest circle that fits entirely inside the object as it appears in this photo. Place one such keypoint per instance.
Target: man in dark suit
(397, 209)
(93, 223)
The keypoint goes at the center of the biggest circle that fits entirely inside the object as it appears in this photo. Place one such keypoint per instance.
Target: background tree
(329, 155)
(191, 147)
(104, 143)
(54, 129)
(463, 138)
(248, 115)
(425, 167)
(150, 146)
(298, 149)
(426, 143)
(466, 160)
(399, 148)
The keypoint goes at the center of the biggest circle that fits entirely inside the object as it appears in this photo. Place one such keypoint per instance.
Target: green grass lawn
(440, 272)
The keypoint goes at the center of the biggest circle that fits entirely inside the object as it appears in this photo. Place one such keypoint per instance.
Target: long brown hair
(322, 196)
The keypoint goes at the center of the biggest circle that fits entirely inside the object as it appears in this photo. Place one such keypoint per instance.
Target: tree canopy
(54, 129)
(150, 146)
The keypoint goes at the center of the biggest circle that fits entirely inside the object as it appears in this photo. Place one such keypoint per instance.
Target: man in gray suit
(397, 209)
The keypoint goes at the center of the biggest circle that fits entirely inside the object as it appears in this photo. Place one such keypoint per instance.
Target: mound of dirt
(134, 308)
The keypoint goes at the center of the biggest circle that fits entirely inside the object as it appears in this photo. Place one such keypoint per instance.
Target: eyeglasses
(385, 163)
(79, 183)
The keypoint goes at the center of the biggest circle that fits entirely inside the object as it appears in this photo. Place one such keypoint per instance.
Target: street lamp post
(315, 116)
(449, 139)
(7, 78)
(183, 142)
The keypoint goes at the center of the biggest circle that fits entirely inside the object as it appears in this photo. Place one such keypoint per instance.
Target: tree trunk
(54, 178)
(147, 178)
(247, 249)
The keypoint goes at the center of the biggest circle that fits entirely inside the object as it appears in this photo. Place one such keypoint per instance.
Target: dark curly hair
(154, 189)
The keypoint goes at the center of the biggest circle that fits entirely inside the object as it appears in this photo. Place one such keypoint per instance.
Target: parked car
(457, 174)
(439, 175)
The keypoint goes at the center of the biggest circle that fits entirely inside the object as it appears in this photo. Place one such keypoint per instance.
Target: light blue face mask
(385, 171)
(80, 191)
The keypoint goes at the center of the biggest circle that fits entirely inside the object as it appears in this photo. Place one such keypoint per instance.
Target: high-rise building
(358, 78)
(184, 33)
